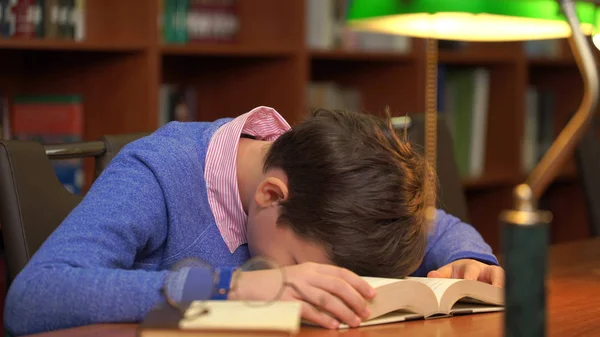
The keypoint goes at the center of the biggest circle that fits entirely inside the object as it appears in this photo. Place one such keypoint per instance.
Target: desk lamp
(525, 227)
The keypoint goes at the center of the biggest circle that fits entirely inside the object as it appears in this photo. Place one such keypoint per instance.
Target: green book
(39, 18)
(181, 21)
(169, 16)
(463, 80)
(47, 99)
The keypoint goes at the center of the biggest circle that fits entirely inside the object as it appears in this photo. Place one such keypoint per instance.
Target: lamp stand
(525, 228)
(431, 112)
(525, 240)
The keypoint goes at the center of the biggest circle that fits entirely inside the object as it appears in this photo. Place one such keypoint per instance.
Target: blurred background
(74, 70)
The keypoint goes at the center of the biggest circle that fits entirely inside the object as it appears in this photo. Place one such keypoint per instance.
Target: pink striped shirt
(220, 172)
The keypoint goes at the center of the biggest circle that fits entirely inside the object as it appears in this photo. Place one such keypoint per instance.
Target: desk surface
(573, 306)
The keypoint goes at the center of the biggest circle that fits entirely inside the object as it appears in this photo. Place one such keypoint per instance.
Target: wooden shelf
(349, 55)
(58, 45)
(120, 67)
(490, 181)
(551, 62)
(475, 58)
(225, 50)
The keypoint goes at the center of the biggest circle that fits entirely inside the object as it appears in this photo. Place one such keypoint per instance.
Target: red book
(212, 21)
(47, 115)
(24, 19)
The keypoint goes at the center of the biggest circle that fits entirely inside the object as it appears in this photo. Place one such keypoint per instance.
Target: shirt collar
(264, 123)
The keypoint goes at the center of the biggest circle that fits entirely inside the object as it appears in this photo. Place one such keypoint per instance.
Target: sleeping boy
(336, 196)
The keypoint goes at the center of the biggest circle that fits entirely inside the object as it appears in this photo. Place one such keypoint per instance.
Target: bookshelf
(123, 61)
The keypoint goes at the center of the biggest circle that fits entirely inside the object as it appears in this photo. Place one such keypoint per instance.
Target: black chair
(32, 200)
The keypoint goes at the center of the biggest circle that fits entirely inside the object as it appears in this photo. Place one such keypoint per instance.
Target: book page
(401, 294)
(450, 291)
(438, 285)
(377, 282)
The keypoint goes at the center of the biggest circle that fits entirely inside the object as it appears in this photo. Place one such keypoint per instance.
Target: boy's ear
(271, 191)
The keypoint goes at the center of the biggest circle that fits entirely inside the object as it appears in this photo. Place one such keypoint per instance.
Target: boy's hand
(471, 270)
(336, 292)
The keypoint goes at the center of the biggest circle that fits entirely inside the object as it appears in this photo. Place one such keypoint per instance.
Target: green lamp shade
(469, 20)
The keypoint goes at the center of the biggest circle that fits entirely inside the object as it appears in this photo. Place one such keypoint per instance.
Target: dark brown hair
(356, 188)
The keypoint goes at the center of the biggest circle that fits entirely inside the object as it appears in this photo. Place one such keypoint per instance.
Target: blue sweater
(149, 209)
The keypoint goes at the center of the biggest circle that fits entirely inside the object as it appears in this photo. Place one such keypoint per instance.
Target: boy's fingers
(343, 290)
(353, 279)
(497, 276)
(325, 301)
(444, 272)
(313, 315)
(471, 272)
(493, 275)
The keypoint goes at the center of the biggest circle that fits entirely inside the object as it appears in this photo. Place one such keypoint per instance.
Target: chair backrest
(32, 200)
(451, 195)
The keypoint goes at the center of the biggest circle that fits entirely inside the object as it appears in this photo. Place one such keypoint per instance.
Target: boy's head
(342, 188)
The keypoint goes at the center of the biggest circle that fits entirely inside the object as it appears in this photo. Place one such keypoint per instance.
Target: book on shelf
(539, 131)
(51, 19)
(397, 300)
(326, 29)
(51, 119)
(197, 21)
(464, 101)
(551, 49)
(25, 18)
(43, 19)
(330, 95)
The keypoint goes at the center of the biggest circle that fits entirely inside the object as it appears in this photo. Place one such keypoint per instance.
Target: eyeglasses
(193, 305)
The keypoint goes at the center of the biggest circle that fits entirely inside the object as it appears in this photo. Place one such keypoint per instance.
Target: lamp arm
(546, 170)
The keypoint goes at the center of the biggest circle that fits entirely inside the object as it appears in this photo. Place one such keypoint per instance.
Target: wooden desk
(573, 306)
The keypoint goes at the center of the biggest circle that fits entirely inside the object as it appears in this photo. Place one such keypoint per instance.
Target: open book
(421, 298)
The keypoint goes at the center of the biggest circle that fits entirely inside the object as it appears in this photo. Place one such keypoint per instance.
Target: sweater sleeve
(451, 240)
(83, 273)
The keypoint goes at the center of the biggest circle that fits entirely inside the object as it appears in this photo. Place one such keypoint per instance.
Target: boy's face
(268, 239)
